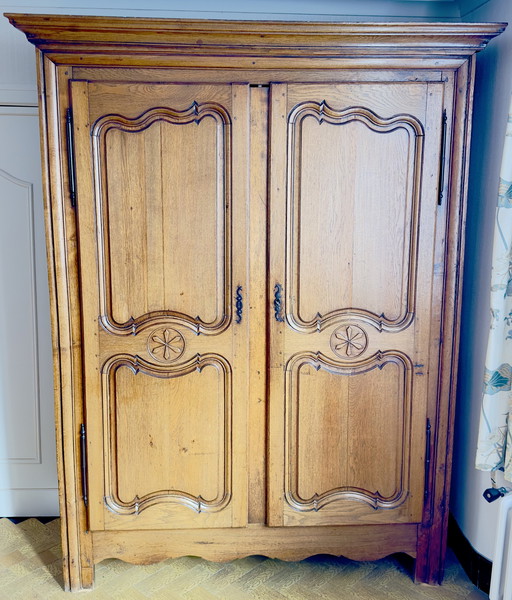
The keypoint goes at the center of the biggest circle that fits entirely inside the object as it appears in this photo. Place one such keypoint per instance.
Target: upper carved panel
(353, 201)
(163, 197)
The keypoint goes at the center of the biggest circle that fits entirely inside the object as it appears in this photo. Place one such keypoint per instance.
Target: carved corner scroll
(342, 492)
(162, 496)
(323, 113)
(195, 114)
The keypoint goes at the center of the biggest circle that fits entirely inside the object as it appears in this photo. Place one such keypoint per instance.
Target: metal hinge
(83, 463)
(71, 157)
(443, 157)
(427, 458)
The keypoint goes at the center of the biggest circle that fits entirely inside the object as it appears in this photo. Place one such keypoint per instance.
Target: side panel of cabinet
(354, 177)
(162, 228)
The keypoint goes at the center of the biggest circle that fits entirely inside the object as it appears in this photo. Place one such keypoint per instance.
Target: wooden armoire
(255, 234)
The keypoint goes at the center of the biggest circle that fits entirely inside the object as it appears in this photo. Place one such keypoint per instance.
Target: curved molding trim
(194, 114)
(322, 112)
(372, 498)
(181, 497)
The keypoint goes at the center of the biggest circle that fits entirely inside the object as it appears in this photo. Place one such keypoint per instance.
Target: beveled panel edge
(323, 112)
(373, 499)
(137, 364)
(194, 114)
(49, 32)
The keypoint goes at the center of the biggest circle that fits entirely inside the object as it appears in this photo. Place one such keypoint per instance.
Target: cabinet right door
(354, 187)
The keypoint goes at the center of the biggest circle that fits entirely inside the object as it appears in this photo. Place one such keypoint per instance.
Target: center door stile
(276, 306)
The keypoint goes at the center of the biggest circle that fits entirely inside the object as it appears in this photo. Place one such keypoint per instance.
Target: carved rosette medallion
(349, 341)
(165, 344)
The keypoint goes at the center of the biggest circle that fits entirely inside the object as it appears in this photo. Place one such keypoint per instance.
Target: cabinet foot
(76, 578)
(429, 566)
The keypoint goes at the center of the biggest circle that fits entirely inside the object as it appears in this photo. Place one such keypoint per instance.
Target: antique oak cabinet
(255, 239)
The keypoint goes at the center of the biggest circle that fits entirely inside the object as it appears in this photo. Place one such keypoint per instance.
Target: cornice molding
(54, 33)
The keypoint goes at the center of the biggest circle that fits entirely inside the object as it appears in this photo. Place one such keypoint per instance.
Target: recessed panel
(163, 190)
(347, 432)
(169, 435)
(352, 215)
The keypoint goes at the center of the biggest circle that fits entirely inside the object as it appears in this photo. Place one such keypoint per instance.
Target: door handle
(278, 302)
(239, 304)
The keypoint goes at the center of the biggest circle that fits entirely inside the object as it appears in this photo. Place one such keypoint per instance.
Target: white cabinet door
(28, 479)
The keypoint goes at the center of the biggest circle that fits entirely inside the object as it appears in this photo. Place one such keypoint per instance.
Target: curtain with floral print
(495, 435)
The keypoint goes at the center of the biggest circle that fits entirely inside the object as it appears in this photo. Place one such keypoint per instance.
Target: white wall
(27, 444)
(251, 9)
(17, 67)
(474, 515)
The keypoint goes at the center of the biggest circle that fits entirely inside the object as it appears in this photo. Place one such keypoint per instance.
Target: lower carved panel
(347, 431)
(167, 434)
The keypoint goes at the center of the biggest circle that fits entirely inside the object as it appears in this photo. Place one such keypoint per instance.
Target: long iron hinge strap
(428, 444)
(71, 156)
(443, 157)
(83, 462)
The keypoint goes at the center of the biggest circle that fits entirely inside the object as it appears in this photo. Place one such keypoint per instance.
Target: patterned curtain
(495, 436)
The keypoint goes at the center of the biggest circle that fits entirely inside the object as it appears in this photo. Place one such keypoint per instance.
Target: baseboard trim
(26, 502)
(43, 520)
(477, 567)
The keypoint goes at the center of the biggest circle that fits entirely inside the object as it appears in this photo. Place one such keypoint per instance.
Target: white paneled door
(28, 479)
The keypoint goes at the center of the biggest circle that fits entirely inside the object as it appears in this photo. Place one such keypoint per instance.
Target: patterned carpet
(30, 570)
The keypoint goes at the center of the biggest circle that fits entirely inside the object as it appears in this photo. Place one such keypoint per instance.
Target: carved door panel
(161, 195)
(353, 183)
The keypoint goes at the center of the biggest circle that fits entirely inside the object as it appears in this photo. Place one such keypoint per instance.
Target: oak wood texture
(245, 36)
(166, 383)
(352, 238)
(295, 543)
(255, 301)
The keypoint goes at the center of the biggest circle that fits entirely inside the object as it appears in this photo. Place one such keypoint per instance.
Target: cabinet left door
(161, 206)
